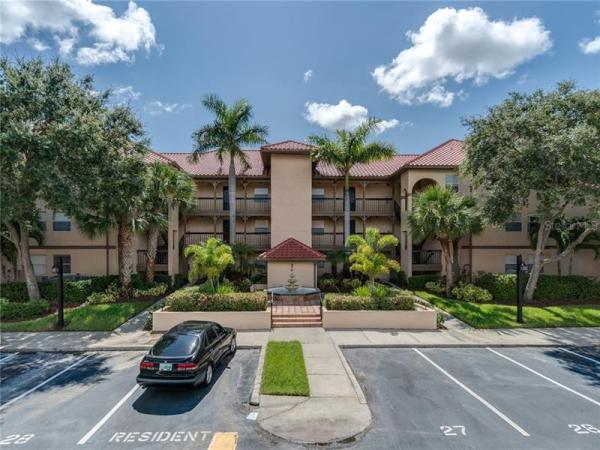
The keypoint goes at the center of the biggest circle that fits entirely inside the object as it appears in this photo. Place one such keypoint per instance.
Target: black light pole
(519, 289)
(58, 269)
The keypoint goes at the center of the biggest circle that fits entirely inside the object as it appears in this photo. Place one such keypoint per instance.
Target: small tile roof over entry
(292, 250)
(449, 154)
(288, 146)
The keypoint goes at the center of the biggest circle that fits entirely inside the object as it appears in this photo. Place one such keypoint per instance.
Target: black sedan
(187, 354)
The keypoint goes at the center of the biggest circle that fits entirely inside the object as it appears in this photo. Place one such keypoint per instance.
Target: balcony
(219, 206)
(426, 260)
(358, 207)
(258, 241)
(327, 241)
(160, 263)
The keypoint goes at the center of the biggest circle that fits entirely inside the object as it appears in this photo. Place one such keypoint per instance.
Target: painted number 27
(453, 430)
(16, 439)
(584, 428)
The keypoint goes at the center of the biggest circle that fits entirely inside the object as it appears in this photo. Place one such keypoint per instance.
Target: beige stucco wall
(291, 198)
(278, 273)
(243, 320)
(420, 319)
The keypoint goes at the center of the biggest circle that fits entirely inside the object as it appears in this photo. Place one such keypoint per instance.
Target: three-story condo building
(285, 194)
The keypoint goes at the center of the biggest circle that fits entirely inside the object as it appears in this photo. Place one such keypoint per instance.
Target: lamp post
(521, 270)
(58, 270)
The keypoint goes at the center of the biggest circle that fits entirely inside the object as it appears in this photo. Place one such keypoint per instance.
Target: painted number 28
(453, 430)
(584, 428)
(16, 439)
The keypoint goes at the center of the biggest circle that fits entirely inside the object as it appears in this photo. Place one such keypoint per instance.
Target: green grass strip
(487, 315)
(104, 317)
(284, 372)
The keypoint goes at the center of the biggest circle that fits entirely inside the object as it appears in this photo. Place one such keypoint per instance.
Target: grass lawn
(284, 372)
(104, 317)
(486, 315)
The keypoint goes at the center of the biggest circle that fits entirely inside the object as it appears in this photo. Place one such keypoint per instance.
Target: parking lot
(518, 398)
(525, 398)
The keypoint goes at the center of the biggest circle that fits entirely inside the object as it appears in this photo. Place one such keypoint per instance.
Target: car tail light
(148, 365)
(187, 366)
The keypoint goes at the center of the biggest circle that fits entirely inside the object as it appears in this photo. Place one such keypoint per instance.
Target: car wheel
(232, 346)
(208, 375)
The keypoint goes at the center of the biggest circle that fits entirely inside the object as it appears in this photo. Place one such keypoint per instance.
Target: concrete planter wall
(240, 320)
(419, 319)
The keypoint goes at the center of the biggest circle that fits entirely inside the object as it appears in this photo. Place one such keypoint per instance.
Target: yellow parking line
(223, 441)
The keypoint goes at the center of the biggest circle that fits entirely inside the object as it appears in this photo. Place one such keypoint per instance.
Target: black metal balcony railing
(253, 206)
(427, 258)
(257, 240)
(324, 241)
(359, 206)
(162, 257)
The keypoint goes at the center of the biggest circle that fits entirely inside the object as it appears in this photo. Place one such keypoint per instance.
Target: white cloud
(459, 45)
(37, 45)
(308, 75)
(590, 46)
(89, 33)
(125, 94)
(344, 115)
(156, 107)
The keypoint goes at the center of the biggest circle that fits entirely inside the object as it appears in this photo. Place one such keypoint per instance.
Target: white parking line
(6, 358)
(36, 387)
(108, 415)
(566, 388)
(473, 394)
(580, 355)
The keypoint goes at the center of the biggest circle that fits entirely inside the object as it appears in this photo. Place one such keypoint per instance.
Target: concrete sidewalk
(336, 409)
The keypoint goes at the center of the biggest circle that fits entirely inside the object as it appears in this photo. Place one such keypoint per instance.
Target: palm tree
(334, 258)
(226, 134)
(348, 149)
(368, 257)
(243, 253)
(166, 188)
(566, 231)
(442, 214)
(209, 259)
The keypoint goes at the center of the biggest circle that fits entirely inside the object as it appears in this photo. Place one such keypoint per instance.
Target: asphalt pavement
(423, 398)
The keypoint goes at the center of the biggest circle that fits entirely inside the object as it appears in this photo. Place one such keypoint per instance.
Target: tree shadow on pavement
(585, 368)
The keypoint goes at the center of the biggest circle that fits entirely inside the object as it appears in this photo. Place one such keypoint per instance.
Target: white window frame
(66, 266)
(38, 265)
(318, 227)
(62, 218)
(510, 223)
(452, 181)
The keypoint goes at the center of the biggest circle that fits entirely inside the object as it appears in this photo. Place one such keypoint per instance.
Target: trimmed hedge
(192, 299)
(22, 311)
(471, 293)
(398, 301)
(503, 287)
(417, 282)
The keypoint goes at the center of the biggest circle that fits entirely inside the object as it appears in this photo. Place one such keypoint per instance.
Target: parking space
(96, 404)
(526, 398)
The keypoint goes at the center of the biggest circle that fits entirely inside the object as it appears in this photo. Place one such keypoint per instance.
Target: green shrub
(243, 284)
(417, 282)
(472, 293)
(440, 320)
(435, 286)
(400, 300)
(100, 284)
(181, 280)
(192, 299)
(349, 284)
(14, 291)
(328, 284)
(22, 310)
(154, 291)
(399, 279)
(110, 295)
(502, 286)
(376, 291)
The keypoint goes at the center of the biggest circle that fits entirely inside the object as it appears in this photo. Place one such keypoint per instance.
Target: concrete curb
(255, 397)
(98, 349)
(359, 392)
(350, 346)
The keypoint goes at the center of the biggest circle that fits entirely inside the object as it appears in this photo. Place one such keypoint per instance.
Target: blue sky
(180, 51)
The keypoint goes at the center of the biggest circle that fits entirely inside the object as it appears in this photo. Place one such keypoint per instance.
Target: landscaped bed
(490, 315)
(284, 372)
(103, 317)
(240, 310)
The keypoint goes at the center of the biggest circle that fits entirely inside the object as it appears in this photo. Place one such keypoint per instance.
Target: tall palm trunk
(21, 238)
(447, 255)
(126, 261)
(232, 205)
(346, 207)
(151, 244)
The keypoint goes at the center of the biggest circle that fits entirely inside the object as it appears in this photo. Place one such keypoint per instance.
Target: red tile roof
(449, 154)
(292, 250)
(288, 146)
(208, 164)
(152, 157)
(376, 169)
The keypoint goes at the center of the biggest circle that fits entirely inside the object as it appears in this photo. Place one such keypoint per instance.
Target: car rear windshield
(175, 345)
